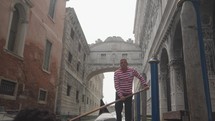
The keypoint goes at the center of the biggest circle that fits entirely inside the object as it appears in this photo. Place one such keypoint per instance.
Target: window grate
(7, 87)
(42, 95)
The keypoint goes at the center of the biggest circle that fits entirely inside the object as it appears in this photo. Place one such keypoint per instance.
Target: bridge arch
(105, 56)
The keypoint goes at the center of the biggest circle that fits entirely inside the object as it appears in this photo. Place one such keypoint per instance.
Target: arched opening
(165, 90)
(178, 71)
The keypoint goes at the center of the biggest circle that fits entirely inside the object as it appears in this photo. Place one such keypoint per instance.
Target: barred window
(70, 57)
(83, 97)
(77, 96)
(87, 100)
(42, 95)
(68, 90)
(79, 47)
(7, 87)
(84, 57)
(124, 55)
(103, 56)
(78, 66)
(72, 33)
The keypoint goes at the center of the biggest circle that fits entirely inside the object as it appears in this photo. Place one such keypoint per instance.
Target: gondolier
(123, 80)
(106, 105)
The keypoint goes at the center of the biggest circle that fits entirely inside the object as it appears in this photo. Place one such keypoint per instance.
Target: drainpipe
(196, 4)
(154, 89)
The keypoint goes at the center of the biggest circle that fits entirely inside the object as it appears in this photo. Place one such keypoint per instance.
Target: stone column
(144, 106)
(163, 93)
(177, 89)
(194, 79)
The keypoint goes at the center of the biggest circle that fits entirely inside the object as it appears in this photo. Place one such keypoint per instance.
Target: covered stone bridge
(105, 56)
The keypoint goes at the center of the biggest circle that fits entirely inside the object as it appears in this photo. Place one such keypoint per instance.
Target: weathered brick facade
(25, 68)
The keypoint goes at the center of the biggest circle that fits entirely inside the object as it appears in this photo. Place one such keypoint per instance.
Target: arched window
(17, 31)
(13, 30)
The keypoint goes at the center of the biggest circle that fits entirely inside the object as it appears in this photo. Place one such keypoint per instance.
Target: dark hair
(35, 115)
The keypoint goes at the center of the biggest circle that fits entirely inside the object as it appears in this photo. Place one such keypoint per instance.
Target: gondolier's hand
(122, 98)
(146, 86)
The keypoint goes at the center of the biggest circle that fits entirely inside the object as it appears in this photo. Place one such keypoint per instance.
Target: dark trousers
(128, 108)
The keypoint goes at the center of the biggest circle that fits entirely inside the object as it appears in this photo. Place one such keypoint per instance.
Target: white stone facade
(75, 94)
(164, 29)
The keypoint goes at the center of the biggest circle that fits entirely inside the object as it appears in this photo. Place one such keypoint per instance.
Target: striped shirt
(123, 81)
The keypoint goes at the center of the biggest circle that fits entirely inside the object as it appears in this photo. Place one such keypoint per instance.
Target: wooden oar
(96, 109)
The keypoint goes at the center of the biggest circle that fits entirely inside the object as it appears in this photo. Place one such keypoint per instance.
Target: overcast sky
(101, 19)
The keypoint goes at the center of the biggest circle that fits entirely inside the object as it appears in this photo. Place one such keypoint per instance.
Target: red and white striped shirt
(123, 81)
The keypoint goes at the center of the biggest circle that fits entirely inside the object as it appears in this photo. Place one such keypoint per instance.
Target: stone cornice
(164, 29)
